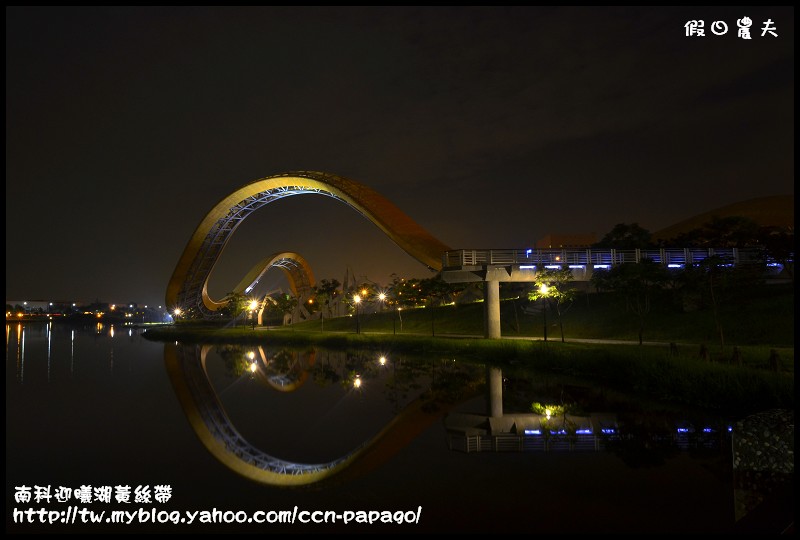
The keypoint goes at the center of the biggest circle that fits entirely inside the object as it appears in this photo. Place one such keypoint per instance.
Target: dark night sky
(491, 127)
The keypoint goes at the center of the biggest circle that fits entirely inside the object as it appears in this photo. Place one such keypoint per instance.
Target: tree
(433, 291)
(637, 282)
(778, 244)
(284, 304)
(554, 285)
(716, 278)
(326, 293)
(729, 231)
(236, 304)
(626, 236)
(407, 292)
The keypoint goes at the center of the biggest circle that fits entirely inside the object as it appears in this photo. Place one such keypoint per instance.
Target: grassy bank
(760, 326)
(761, 317)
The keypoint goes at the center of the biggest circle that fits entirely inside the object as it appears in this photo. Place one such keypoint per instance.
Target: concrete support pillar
(494, 380)
(491, 309)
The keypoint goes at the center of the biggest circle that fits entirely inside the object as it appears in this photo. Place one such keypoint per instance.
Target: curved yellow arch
(296, 268)
(188, 286)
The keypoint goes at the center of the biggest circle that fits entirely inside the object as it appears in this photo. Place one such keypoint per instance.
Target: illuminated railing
(544, 258)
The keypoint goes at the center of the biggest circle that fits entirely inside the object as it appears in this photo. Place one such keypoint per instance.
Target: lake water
(99, 406)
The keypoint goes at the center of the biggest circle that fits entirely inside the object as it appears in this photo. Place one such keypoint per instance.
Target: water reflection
(304, 406)
(286, 371)
(420, 392)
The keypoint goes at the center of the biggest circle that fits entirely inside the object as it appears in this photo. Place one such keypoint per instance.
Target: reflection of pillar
(491, 309)
(494, 379)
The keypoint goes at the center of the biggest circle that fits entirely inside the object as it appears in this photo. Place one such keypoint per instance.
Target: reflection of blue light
(559, 432)
(779, 265)
(527, 267)
(608, 431)
(730, 428)
(707, 430)
(584, 432)
(683, 430)
(532, 432)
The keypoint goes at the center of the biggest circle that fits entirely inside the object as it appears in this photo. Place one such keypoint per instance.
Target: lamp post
(357, 300)
(253, 306)
(543, 291)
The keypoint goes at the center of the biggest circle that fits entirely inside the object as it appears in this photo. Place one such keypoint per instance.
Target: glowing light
(576, 266)
(253, 367)
(253, 305)
(177, 312)
(364, 292)
(532, 432)
(382, 360)
(548, 412)
(251, 355)
(357, 299)
(528, 267)
(674, 266)
(357, 382)
(528, 252)
(584, 432)
(603, 266)
(552, 266)
(543, 290)
(381, 297)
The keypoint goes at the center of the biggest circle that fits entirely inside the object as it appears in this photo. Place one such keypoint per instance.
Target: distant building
(559, 241)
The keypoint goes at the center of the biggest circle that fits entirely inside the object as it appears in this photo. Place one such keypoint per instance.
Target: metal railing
(673, 257)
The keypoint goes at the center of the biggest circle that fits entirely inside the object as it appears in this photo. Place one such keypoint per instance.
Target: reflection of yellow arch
(186, 369)
(295, 382)
(188, 286)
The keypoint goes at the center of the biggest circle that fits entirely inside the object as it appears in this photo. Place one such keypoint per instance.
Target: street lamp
(543, 289)
(357, 300)
(253, 306)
